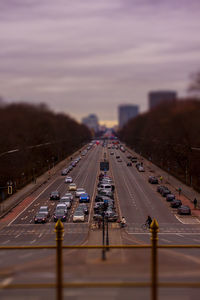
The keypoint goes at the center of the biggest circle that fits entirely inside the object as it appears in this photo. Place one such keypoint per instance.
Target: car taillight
(35, 219)
(43, 219)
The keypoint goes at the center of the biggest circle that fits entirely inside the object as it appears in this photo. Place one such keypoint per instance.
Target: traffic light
(10, 190)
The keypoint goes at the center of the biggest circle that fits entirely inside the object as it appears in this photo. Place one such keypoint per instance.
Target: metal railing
(59, 285)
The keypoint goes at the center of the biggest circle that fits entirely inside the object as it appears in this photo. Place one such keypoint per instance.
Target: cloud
(91, 55)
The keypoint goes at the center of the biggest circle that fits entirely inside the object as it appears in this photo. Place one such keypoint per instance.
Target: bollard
(154, 228)
(59, 229)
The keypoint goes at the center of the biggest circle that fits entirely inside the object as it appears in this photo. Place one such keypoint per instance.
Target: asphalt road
(135, 199)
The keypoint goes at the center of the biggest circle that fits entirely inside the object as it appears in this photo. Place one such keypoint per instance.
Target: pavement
(187, 195)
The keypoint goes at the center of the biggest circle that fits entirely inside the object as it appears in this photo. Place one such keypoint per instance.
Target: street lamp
(103, 235)
(107, 236)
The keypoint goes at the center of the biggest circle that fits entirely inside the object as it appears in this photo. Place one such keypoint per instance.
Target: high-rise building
(158, 97)
(127, 112)
(91, 122)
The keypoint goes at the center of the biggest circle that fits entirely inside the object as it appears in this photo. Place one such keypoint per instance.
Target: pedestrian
(195, 203)
(161, 179)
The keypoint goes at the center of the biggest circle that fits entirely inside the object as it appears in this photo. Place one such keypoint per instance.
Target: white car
(68, 179)
(79, 191)
(72, 187)
(69, 195)
(67, 201)
(140, 169)
(78, 216)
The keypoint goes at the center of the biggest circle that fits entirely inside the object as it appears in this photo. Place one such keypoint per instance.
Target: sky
(89, 56)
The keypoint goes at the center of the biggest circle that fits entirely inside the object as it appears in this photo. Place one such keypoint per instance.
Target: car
(67, 201)
(72, 187)
(84, 207)
(140, 168)
(160, 187)
(62, 206)
(106, 193)
(60, 214)
(69, 195)
(84, 198)
(65, 172)
(40, 218)
(170, 197)
(129, 156)
(129, 164)
(79, 216)
(111, 153)
(184, 210)
(117, 156)
(153, 180)
(119, 160)
(68, 179)
(165, 191)
(55, 195)
(111, 215)
(44, 210)
(79, 191)
(175, 203)
(134, 159)
(106, 186)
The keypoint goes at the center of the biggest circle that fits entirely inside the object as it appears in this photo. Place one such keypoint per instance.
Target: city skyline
(94, 56)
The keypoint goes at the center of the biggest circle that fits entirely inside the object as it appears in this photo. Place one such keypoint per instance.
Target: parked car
(129, 164)
(175, 203)
(117, 156)
(65, 172)
(84, 198)
(111, 215)
(111, 153)
(134, 159)
(106, 193)
(153, 180)
(40, 218)
(68, 179)
(170, 197)
(184, 210)
(79, 191)
(140, 168)
(44, 210)
(55, 195)
(72, 187)
(165, 191)
(160, 187)
(78, 216)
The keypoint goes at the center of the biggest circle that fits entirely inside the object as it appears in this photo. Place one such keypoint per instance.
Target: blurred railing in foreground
(59, 285)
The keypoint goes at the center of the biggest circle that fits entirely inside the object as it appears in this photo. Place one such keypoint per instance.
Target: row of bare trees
(32, 140)
(169, 135)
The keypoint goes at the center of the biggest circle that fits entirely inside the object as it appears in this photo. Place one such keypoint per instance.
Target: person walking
(195, 203)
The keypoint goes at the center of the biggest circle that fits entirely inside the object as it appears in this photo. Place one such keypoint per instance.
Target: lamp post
(107, 236)
(103, 235)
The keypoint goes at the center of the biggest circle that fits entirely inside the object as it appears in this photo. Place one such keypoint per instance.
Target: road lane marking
(6, 281)
(40, 235)
(33, 241)
(17, 235)
(22, 256)
(165, 240)
(195, 240)
(180, 235)
(6, 242)
(32, 202)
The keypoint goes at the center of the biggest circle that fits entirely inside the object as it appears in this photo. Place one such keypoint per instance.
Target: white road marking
(32, 202)
(6, 242)
(17, 235)
(195, 240)
(165, 240)
(40, 235)
(6, 281)
(180, 235)
(33, 241)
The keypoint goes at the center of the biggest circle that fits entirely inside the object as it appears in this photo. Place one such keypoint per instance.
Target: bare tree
(194, 87)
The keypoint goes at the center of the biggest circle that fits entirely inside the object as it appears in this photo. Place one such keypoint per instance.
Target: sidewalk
(187, 193)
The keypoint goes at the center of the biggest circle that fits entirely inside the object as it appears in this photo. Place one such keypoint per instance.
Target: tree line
(169, 136)
(32, 140)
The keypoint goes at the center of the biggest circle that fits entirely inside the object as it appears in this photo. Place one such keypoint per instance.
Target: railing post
(59, 229)
(154, 228)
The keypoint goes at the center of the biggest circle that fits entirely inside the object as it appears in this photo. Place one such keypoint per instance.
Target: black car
(176, 203)
(134, 159)
(165, 192)
(153, 180)
(170, 197)
(40, 218)
(60, 214)
(55, 195)
(129, 164)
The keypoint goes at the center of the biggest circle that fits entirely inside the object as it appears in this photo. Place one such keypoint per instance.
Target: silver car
(79, 191)
(78, 216)
(44, 210)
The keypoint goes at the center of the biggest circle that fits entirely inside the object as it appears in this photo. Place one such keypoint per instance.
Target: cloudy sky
(89, 56)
